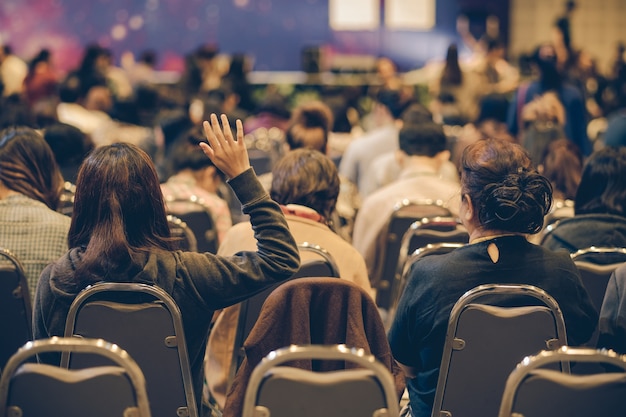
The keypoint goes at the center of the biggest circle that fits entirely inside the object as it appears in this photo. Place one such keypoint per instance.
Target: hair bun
(522, 198)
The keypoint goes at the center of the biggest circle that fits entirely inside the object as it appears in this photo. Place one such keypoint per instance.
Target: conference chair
(284, 391)
(15, 306)
(198, 218)
(596, 264)
(533, 391)
(186, 238)
(405, 213)
(314, 311)
(404, 267)
(484, 342)
(146, 322)
(33, 389)
(316, 262)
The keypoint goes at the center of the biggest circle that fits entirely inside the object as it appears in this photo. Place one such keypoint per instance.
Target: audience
(119, 233)
(612, 323)
(195, 176)
(30, 189)
(70, 146)
(599, 205)
(421, 155)
(306, 185)
(504, 199)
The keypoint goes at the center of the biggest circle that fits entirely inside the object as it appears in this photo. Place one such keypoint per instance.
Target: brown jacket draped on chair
(305, 311)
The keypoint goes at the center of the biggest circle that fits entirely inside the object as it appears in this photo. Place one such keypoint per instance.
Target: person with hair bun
(503, 200)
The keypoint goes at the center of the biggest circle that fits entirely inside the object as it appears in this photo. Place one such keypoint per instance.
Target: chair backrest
(265, 147)
(66, 201)
(145, 321)
(402, 275)
(405, 213)
(284, 391)
(533, 391)
(199, 219)
(484, 342)
(33, 389)
(595, 276)
(186, 237)
(323, 266)
(15, 307)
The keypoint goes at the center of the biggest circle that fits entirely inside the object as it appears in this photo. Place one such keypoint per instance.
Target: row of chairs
(97, 311)
(475, 366)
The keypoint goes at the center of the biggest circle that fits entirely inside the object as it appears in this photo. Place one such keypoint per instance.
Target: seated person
(504, 199)
(30, 190)
(306, 184)
(599, 207)
(119, 233)
(422, 152)
(195, 175)
(612, 323)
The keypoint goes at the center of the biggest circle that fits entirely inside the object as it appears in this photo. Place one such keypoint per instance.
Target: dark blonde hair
(507, 193)
(28, 166)
(308, 178)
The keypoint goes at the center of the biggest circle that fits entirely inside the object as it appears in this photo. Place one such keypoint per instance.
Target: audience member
(30, 189)
(612, 323)
(385, 168)
(195, 176)
(599, 206)
(562, 165)
(306, 185)
(357, 158)
(455, 93)
(550, 79)
(13, 70)
(504, 199)
(422, 152)
(70, 147)
(42, 81)
(119, 233)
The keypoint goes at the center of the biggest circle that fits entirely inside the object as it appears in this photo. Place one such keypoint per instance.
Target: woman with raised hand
(119, 233)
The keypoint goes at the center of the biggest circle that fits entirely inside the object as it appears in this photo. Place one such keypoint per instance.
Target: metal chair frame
(95, 346)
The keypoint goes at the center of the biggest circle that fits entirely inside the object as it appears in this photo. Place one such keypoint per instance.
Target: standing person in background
(550, 80)
(13, 70)
(30, 189)
(119, 233)
(455, 93)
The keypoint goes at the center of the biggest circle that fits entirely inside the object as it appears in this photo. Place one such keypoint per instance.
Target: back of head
(425, 139)
(118, 209)
(562, 164)
(309, 127)
(602, 188)
(393, 101)
(507, 193)
(308, 178)
(27, 165)
(416, 113)
(68, 143)
(452, 74)
(186, 154)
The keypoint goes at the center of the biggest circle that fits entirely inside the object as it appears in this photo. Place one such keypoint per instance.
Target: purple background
(273, 32)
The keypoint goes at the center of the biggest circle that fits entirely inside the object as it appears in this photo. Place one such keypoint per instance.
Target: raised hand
(228, 154)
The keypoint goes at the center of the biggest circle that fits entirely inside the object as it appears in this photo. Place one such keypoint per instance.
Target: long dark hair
(602, 188)
(27, 165)
(118, 212)
(451, 74)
